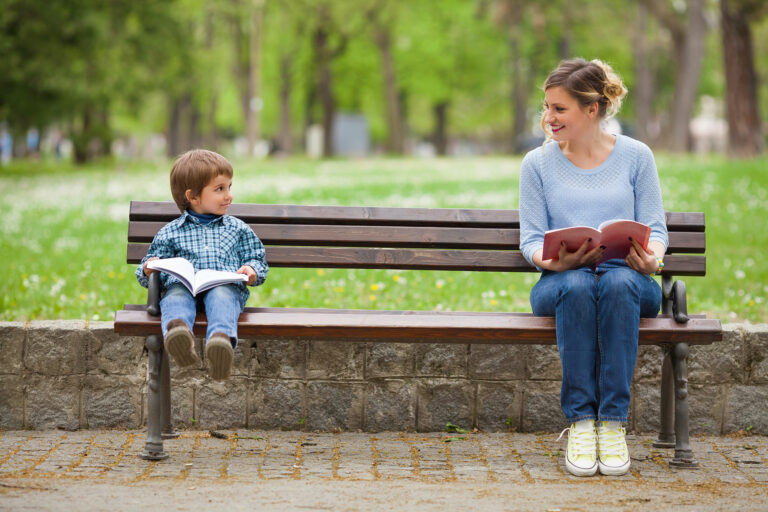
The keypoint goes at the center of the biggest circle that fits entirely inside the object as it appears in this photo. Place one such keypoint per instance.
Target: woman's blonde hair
(588, 82)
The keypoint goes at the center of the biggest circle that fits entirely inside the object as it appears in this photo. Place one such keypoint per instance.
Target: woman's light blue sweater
(555, 194)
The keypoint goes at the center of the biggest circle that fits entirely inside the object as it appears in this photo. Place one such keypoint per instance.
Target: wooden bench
(424, 239)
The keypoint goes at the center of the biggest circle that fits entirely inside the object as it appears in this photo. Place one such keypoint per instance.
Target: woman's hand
(642, 260)
(570, 260)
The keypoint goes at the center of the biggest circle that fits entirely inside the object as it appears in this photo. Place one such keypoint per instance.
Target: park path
(237, 470)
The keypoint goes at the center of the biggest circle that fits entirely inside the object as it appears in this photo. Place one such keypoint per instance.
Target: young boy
(210, 239)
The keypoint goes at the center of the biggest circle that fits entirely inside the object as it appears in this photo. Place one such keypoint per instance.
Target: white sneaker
(581, 452)
(613, 454)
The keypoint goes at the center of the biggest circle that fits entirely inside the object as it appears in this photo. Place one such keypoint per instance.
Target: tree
(745, 131)
(687, 31)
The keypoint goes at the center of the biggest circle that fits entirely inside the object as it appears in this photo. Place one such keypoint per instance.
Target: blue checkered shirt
(227, 243)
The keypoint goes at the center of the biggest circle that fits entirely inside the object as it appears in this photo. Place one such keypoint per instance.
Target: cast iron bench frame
(425, 239)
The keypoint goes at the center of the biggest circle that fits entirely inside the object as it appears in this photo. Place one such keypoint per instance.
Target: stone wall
(71, 374)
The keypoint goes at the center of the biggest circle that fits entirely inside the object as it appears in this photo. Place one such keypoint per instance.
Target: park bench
(425, 239)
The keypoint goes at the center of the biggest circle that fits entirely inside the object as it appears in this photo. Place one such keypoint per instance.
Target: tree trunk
(519, 89)
(325, 85)
(643, 91)
(394, 121)
(440, 136)
(689, 54)
(285, 137)
(745, 133)
(80, 141)
(253, 118)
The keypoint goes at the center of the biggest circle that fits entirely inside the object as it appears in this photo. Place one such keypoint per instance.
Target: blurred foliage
(100, 70)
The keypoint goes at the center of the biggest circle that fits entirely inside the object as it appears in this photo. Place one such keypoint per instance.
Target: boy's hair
(193, 170)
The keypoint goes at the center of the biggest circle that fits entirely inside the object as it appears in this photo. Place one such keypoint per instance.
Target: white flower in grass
(740, 274)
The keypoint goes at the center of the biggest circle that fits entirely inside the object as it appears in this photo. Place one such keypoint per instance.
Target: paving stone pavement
(100, 470)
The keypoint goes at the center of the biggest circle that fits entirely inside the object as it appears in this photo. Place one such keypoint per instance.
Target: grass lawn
(63, 233)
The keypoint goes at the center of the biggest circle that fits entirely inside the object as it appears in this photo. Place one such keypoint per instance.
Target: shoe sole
(220, 355)
(577, 471)
(613, 470)
(181, 346)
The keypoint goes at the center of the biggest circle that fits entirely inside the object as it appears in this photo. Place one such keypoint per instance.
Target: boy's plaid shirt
(226, 243)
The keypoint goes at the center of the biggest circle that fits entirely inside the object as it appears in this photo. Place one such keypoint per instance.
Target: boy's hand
(148, 271)
(248, 270)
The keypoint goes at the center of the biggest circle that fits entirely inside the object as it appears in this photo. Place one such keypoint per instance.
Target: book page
(573, 238)
(179, 267)
(616, 237)
(207, 279)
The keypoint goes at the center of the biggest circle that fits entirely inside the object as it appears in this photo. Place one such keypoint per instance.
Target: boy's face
(215, 197)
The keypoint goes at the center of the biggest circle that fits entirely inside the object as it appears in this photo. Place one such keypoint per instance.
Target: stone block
(11, 402)
(110, 354)
(497, 362)
(541, 407)
(52, 402)
(333, 360)
(705, 408)
(746, 409)
(499, 406)
(543, 363)
(721, 362)
(276, 404)
(12, 336)
(389, 360)
(335, 406)
(648, 363)
(222, 404)
(278, 359)
(442, 401)
(182, 406)
(757, 346)
(644, 410)
(56, 348)
(113, 401)
(390, 405)
(441, 360)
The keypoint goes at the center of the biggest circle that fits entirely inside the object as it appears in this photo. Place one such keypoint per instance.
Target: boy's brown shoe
(180, 343)
(219, 353)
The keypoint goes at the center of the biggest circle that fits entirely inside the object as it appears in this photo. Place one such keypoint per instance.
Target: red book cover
(613, 234)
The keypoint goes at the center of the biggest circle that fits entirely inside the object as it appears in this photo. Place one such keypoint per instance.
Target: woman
(583, 176)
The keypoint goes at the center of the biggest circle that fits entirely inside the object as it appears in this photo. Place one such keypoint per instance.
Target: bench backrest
(399, 238)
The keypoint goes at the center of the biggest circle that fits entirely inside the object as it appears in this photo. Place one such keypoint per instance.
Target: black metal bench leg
(667, 433)
(153, 449)
(167, 420)
(683, 453)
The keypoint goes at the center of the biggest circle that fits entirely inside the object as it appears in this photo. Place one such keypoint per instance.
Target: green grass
(63, 233)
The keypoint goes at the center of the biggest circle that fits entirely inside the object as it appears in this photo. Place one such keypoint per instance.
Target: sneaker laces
(580, 441)
(612, 442)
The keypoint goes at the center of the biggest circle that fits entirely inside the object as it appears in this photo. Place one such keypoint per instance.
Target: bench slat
(415, 326)
(398, 236)
(165, 211)
(414, 259)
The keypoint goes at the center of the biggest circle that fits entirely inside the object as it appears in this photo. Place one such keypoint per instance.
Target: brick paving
(41, 459)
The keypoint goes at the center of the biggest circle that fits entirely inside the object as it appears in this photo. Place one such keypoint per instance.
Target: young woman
(583, 176)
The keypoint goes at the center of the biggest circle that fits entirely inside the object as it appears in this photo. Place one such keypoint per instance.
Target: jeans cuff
(579, 418)
(621, 419)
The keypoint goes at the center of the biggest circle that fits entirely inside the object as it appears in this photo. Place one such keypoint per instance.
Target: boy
(210, 239)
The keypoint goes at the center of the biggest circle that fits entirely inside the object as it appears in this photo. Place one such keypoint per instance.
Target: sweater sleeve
(534, 220)
(649, 208)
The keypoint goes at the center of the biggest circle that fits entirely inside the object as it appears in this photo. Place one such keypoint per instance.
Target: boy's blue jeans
(222, 306)
(597, 316)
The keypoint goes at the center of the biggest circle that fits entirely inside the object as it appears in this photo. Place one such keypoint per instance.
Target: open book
(613, 234)
(195, 282)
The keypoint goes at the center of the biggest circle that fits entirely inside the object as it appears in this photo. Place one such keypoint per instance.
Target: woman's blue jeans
(222, 306)
(597, 316)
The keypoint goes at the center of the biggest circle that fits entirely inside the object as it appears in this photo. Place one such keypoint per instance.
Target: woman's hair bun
(613, 88)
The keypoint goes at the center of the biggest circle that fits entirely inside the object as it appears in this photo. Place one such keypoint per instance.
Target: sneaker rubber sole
(219, 353)
(613, 470)
(180, 344)
(578, 471)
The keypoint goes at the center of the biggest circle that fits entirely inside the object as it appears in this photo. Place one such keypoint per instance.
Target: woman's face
(564, 116)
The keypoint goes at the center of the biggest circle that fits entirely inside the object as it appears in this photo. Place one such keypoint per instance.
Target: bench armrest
(674, 292)
(153, 294)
